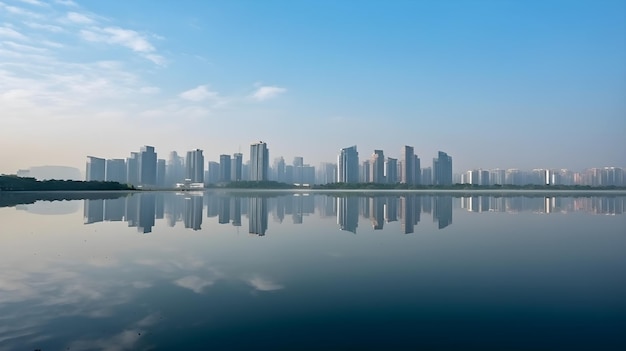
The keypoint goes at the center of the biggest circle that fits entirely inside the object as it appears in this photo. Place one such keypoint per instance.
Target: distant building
(279, 170)
(407, 168)
(160, 176)
(147, 165)
(116, 170)
(225, 168)
(365, 171)
(236, 173)
(194, 166)
(174, 169)
(427, 176)
(259, 161)
(442, 169)
(327, 173)
(377, 167)
(348, 165)
(213, 173)
(391, 170)
(95, 169)
(417, 170)
(132, 169)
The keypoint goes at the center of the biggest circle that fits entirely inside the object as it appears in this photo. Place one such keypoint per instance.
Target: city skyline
(495, 84)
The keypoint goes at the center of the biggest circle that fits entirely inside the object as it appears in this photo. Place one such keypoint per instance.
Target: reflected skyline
(143, 209)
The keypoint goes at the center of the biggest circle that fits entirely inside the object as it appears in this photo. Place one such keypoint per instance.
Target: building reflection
(348, 213)
(141, 210)
(193, 212)
(442, 213)
(257, 211)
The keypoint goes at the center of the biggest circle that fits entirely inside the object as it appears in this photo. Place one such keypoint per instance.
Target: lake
(312, 271)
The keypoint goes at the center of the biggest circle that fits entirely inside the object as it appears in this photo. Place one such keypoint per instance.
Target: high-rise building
(407, 168)
(365, 171)
(417, 170)
(147, 165)
(391, 170)
(377, 167)
(194, 165)
(279, 169)
(95, 169)
(236, 173)
(174, 169)
(259, 161)
(327, 173)
(132, 169)
(427, 176)
(442, 169)
(225, 168)
(298, 163)
(160, 176)
(116, 170)
(213, 173)
(348, 165)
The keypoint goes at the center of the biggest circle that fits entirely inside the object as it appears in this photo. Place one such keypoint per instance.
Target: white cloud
(34, 2)
(79, 18)
(149, 90)
(128, 38)
(23, 48)
(199, 93)
(263, 284)
(19, 11)
(11, 33)
(267, 92)
(68, 3)
(48, 27)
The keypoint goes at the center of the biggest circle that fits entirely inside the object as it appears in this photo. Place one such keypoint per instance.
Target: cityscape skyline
(541, 88)
(349, 168)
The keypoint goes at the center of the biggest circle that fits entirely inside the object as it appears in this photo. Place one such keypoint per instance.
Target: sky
(508, 84)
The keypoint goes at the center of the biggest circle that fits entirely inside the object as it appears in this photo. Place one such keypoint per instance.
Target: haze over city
(494, 84)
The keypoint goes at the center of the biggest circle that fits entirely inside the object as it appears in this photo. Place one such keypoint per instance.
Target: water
(282, 271)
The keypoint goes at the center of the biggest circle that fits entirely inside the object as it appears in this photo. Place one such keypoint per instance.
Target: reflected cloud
(194, 283)
(263, 284)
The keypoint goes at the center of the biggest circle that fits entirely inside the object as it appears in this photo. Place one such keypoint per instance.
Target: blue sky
(494, 83)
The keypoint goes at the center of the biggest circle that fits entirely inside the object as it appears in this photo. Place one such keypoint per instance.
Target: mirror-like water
(224, 271)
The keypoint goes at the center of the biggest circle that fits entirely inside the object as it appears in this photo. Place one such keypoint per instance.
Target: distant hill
(54, 172)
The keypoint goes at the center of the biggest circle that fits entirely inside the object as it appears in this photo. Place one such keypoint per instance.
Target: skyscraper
(116, 170)
(442, 169)
(160, 176)
(147, 165)
(259, 161)
(236, 173)
(174, 169)
(298, 163)
(377, 167)
(417, 170)
(95, 169)
(391, 170)
(132, 169)
(194, 166)
(279, 169)
(348, 165)
(407, 166)
(225, 168)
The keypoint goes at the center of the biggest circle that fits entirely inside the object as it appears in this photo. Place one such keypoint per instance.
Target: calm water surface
(241, 271)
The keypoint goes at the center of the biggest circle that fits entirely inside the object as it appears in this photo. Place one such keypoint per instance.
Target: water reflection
(498, 277)
(140, 210)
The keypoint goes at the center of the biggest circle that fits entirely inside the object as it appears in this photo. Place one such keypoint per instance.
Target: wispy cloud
(267, 92)
(79, 18)
(8, 32)
(68, 3)
(199, 93)
(263, 284)
(34, 2)
(128, 38)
